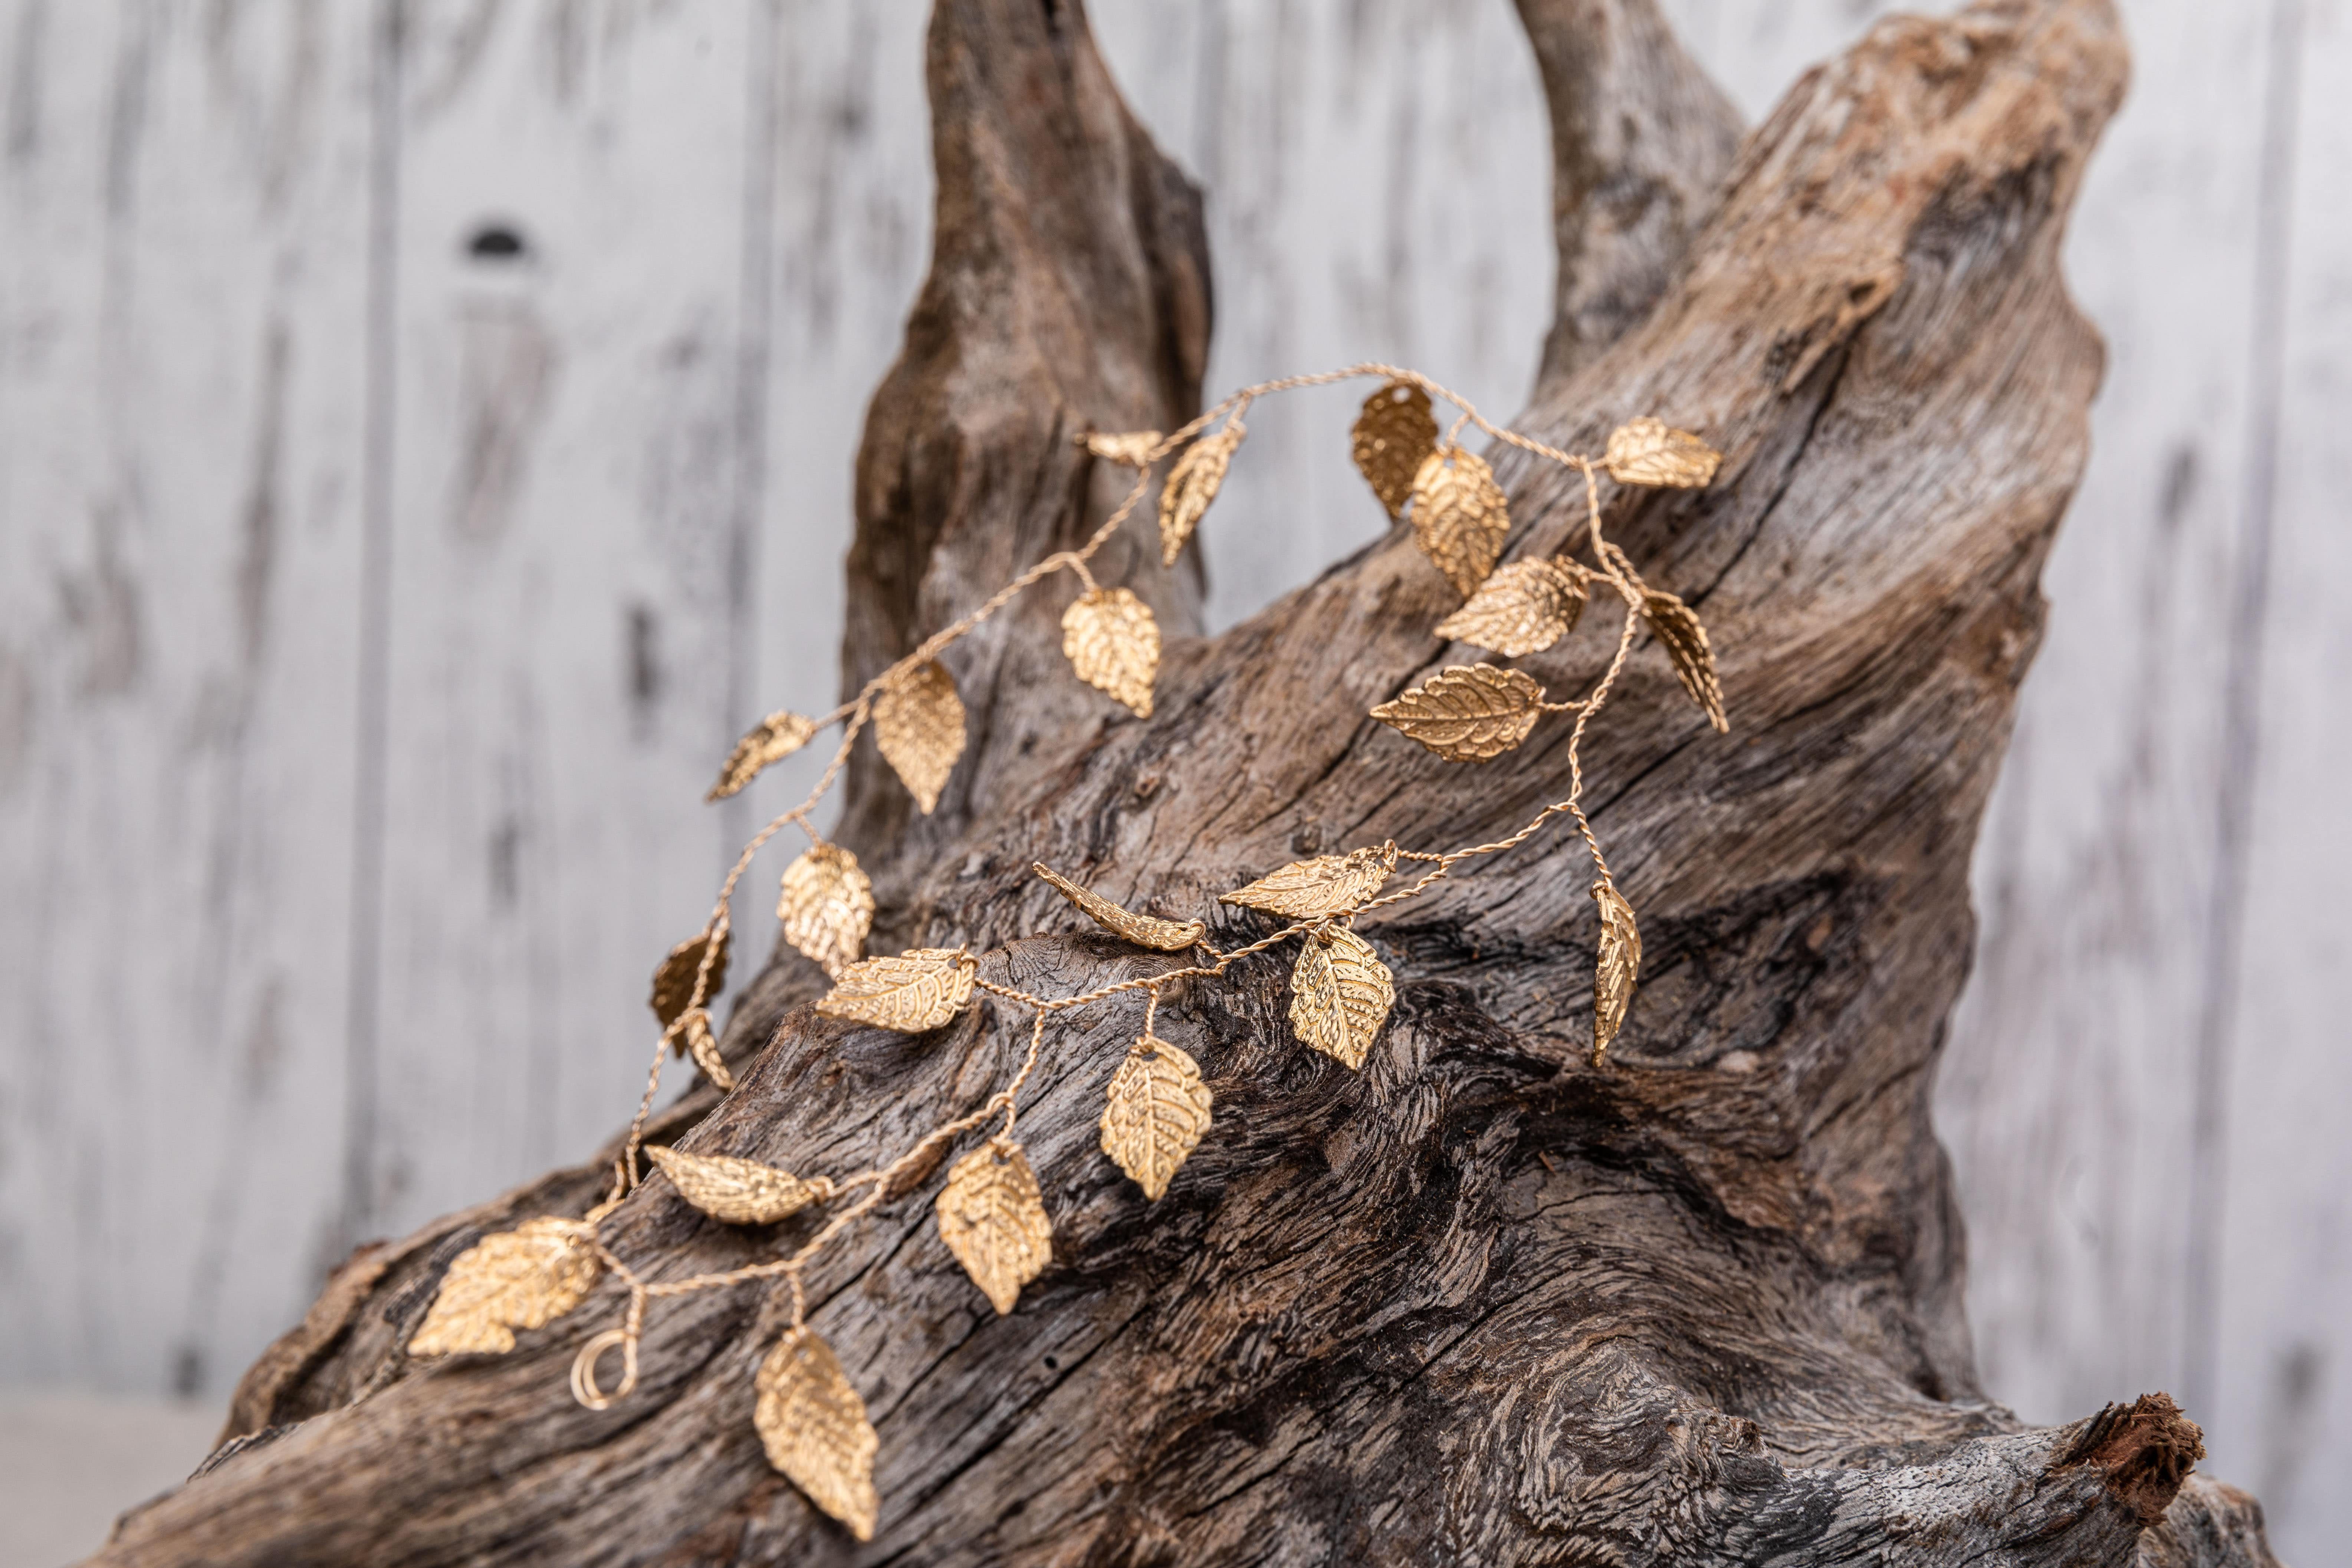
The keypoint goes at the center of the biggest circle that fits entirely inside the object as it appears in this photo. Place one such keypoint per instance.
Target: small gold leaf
(693, 1037)
(1341, 994)
(1326, 885)
(1619, 965)
(674, 981)
(1192, 486)
(1523, 608)
(815, 1430)
(1459, 516)
(1133, 448)
(1648, 451)
(518, 1279)
(920, 989)
(1155, 1112)
(826, 906)
(1677, 628)
(1395, 434)
(1467, 713)
(918, 724)
(774, 739)
(1113, 643)
(992, 1218)
(741, 1191)
(1164, 936)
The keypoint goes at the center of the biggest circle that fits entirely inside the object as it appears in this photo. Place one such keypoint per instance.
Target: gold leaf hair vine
(1157, 1108)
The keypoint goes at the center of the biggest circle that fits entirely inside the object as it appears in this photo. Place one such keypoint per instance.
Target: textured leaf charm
(1523, 608)
(828, 907)
(741, 1191)
(694, 1038)
(1326, 885)
(674, 981)
(1619, 965)
(920, 989)
(814, 1429)
(993, 1219)
(1467, 713)
(1459, 517)
(1678, 631)
(1192, 486)
(918, 724)
(1113, 643)
(518, 1279)
(1648, 451)
(1132, 448)
(1155, 1113)
(1144, 931)
(1341, 994)
(1392, 436)
(774, 739)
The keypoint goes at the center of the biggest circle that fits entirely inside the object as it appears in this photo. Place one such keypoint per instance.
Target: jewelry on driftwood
(990, 1212)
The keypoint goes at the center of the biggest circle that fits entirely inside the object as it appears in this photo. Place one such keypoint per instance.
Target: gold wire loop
(583, 1369)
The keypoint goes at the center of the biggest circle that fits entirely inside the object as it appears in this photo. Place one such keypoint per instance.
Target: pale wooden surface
(610, 483)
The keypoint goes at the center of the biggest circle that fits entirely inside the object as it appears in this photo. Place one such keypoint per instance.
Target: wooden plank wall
(425, 438)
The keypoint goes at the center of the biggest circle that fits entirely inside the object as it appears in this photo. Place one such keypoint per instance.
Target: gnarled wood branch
(1481, 1302)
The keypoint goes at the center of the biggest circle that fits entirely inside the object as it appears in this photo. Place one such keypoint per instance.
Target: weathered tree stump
(1481, 1303)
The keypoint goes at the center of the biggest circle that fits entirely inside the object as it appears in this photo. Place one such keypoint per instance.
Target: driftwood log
(1481, 1302)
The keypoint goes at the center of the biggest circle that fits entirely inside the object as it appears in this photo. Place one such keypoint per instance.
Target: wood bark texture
(1481, 1302)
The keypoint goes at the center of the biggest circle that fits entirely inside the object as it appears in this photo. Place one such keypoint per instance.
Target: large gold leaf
(992, 1218)
(1395, 434)
(693, 1037)
(516, 1278)
(1459, 517)
(1618, 967)
(1144, 931)
(1341, 994)
(918, 724)
(1523, 608)
(674, 981)
(916, 990)
(826, 905)
(1112, 641)
(1192, 486)
(741, 1191)
(1467, 713)
(1678, 631)
(1132, 448)
(1649, 451)
(815, 1430)
(774, 738)
(1154, 1114)
(1326, 885)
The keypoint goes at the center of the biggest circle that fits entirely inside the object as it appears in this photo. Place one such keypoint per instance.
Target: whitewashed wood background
(425, 440)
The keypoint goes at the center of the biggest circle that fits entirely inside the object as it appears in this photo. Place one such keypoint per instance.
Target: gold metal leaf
(1341, 994)
(1144, 931)
(992, 1218)
(916, 990)
(694, 1036)
(1192, 486)
(1467, 713)
(1619, 966)
(741, 1191)
(1523, 608)
(1459, 516)
(1392, 436)
(1132, 448)
(674, 981)
(1678, 631)
(815, 1430)
(1326, 885)
(826, 906)
(518, 1279)
(774, 739)
(1113, 643)
(918, 724)
(1154, 1114)
(1647, 451)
